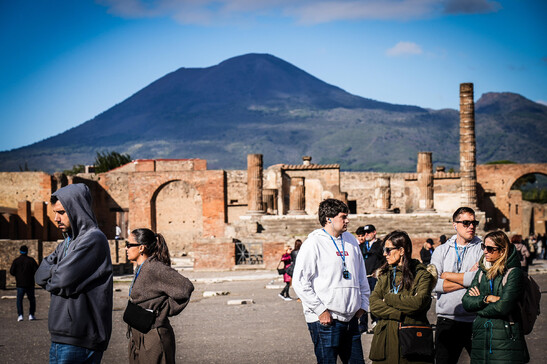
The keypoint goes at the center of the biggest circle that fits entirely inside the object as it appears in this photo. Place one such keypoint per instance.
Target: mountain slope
(258, 103)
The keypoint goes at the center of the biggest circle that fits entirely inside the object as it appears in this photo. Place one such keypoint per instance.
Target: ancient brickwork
(468, 159)
(24, 186)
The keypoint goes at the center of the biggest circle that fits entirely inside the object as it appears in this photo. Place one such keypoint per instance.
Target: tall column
(254, 184)
(382, 194)
(40, 214)
(25, 216)
(297, 196)
(425, 181)
(468, 162)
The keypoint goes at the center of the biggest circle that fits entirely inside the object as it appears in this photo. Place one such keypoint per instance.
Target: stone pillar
(468, 161)
(382, 194)
(269, 198)
(425, 181)
(42, 220)
(297, 196)
(25, 217)
(306, 160)
(254, 184)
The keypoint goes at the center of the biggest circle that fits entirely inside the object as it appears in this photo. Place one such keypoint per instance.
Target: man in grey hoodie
(78, 274)
(456, 262)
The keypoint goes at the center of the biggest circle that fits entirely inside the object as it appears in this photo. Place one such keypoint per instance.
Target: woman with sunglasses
(155, 287)
(497, 334)
(402, 295)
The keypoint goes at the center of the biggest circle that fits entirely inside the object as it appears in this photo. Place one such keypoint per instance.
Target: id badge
(346, 274)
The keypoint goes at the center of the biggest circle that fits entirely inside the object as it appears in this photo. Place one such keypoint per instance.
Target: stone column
(382, 194)
(40, 214)
(468, 162)
(297, 196)
(25, 216)
(425, 181)
(254, 184)
(269, 199)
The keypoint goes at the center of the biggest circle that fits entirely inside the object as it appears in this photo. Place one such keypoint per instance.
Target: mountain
(257, 103)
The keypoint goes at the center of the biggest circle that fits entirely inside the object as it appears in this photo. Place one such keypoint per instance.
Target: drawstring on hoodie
(486, 324)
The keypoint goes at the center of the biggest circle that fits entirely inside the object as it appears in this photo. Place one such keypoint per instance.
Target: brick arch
(518, 171)
(144, 188)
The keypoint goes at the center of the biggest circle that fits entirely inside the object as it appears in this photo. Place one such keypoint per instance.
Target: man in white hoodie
(331, 281)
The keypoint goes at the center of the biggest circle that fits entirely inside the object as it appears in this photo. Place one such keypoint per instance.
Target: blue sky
(65, 61)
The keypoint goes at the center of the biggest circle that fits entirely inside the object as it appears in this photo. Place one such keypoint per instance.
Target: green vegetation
(77, 168)
(533, 187)
(501, 162)
(107, 161)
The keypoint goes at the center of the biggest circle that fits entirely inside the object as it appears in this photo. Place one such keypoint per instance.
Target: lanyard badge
(345, 273)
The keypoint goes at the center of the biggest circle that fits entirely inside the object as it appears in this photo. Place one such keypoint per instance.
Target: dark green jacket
(496, 338)
(407, 306)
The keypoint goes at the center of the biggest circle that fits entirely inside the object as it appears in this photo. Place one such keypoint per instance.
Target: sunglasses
(388, 250)
(489, 249)
(129, 245)
(466, 223)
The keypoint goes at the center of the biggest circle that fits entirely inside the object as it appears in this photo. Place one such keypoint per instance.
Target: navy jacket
(78, 274)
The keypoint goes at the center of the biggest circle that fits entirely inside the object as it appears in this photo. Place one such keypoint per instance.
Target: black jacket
(425, 256)
(374, 257)
(79, 277)
(23, 268)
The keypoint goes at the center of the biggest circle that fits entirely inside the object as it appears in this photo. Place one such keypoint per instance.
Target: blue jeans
(30, 295)
(338, 339)
(70, 354)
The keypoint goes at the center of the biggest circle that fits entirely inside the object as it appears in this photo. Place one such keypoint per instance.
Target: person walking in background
(24, 268)
(287, 260)
(456, 262)
(157, 288)
(371, 248)
(427, 251)
(497, 335)
(331, 281)
(442, 239)
(78, 274)
(522, 251)
(402, 296)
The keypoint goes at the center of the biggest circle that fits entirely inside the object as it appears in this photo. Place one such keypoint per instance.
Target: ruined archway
(177, 213)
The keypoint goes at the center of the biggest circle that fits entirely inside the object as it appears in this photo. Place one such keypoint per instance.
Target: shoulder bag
(416, 341)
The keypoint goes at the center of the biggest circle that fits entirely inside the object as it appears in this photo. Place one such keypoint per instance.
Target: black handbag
(139, 318)
(416, 341)
(280, 270)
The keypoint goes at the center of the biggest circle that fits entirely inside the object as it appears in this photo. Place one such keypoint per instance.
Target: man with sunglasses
(456, 262)
(78, 274)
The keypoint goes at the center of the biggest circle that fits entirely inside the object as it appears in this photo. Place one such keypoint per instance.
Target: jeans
(30, 295)
(70, 354)
(451, 338)
(337, 339)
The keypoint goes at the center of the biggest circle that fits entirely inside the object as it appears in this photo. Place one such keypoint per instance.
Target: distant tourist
(157, 289)
(456, 262)
(522, 251)
(427, 251)
(496, 337)
(442, 239)
(371, 248)
(286, 260)
(23, 268)
(402, 296)
(330, 279)
(78, 274)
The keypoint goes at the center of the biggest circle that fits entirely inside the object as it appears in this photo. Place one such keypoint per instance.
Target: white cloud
(303, 11)
(404, 49)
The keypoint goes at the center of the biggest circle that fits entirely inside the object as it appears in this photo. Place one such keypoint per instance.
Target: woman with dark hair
(493, 295)
(156, 288)
(402, 296)
(286, 259)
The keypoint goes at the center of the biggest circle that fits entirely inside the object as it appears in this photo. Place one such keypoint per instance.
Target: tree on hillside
(107, 161)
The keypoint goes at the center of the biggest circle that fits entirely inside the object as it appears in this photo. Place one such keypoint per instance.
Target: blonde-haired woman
(497, 332)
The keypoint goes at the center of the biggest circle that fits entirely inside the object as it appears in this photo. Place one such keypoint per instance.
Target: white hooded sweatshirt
(318, 277)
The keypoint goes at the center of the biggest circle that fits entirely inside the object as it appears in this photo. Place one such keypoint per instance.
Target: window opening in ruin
(248, 253)
(352, 205)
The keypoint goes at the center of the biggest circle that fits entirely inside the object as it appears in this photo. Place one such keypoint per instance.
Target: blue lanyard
(395, 288)
(134, 278)
(342, 253)
(67, 242)
(459, 265)
(368, 249)
(492, 286)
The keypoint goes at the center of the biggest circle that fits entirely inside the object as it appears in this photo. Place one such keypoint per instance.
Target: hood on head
(76, 199)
